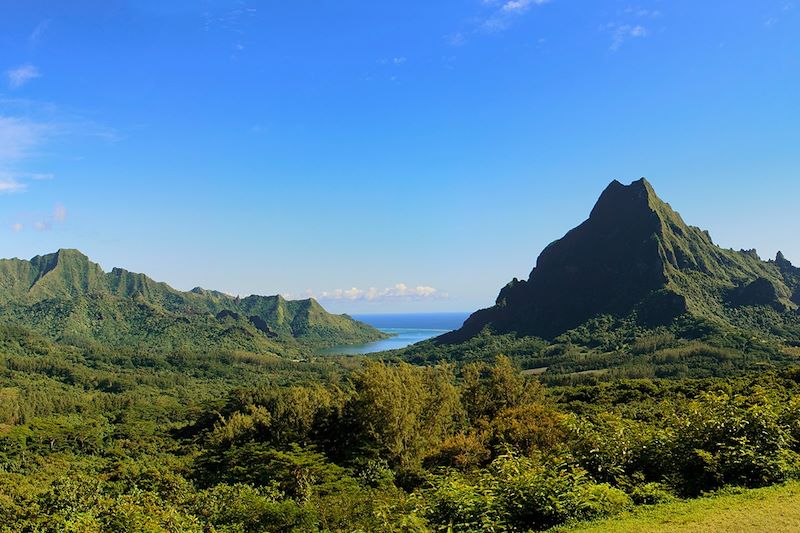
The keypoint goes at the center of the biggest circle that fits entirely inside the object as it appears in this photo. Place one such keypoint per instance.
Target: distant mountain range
(69, 298)
(635, 258)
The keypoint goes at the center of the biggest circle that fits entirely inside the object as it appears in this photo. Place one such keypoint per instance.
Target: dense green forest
(95, 439)
(608, 347)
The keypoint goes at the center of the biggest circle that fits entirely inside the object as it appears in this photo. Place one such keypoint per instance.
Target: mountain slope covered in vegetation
(68, 297)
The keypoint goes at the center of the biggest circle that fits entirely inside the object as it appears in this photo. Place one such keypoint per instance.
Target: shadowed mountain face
(634, 256)
(791, 274)
(67, 296)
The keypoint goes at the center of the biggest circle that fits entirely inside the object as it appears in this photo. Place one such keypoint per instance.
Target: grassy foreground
(774, 509)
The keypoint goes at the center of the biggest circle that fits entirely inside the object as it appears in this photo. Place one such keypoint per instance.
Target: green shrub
(245, 508)
(459, 505)
(520, 494)
(650, 494)
(730, 440)
(530, 495)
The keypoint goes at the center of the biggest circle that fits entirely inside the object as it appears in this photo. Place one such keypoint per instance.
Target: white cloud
(19, 136)
(638, 31)
(643, 13)
(10, 184)
(40, 221)
(456, 39)
(624, 32)
(39, 176)
(498, 15)
(399, 291)
(507, 10)
(517, 6)
(17, 77)
(632, 26)
(26, 127)
(31, 127)
(59, 213)
(399, 60)
(38, 32)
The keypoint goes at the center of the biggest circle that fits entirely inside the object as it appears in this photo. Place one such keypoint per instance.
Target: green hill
(68, 297)
(636, 259)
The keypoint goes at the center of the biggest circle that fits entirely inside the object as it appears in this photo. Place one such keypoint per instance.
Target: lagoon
(406, 329)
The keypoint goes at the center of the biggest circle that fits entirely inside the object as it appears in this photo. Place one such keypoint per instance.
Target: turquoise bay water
(406, 329)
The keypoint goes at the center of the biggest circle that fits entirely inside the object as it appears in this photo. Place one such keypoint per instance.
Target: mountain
(636, 258)
(68, 297)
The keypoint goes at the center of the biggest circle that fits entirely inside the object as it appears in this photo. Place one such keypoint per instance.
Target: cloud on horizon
(398, 292)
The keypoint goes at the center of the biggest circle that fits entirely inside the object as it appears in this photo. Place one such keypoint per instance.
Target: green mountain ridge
(68, 297)
(635, 257)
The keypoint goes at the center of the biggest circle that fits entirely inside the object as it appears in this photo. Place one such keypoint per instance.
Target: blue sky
(386, 156)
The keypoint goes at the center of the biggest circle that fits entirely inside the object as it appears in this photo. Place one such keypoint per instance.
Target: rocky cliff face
(791, 275)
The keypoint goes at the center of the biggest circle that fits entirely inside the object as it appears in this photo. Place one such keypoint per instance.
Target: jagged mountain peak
(633, 256)
(46, 262)
(65, 273)
(64, 253)
(638, 195)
